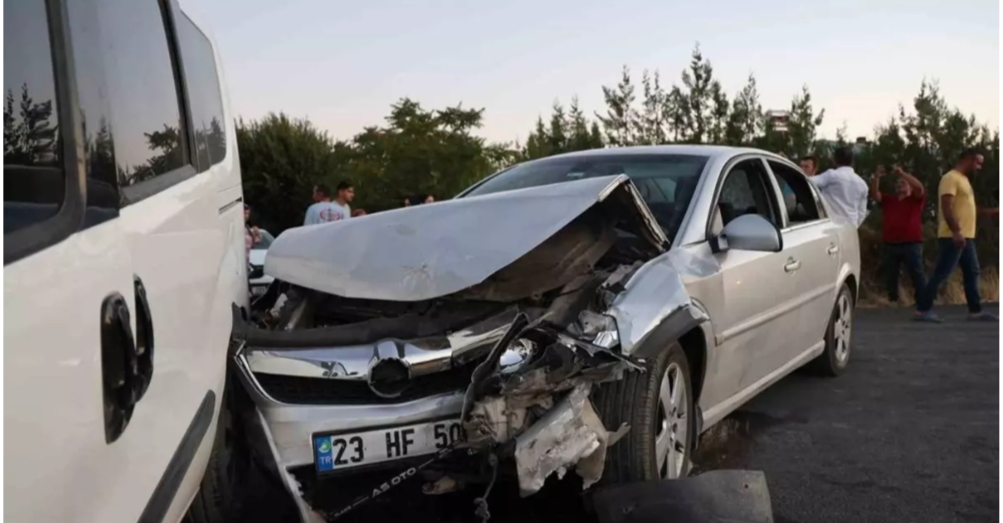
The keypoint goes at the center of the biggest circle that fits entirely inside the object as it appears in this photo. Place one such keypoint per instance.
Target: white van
(123, 252)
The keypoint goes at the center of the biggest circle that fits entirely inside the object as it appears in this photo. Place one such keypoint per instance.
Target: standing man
(809, 164)
(902, 229)
(843, 189)
(325, 210)
(956, 238)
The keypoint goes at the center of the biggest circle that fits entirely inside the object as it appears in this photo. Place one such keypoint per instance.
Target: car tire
(838, 337)
(640, 401)
(219, 497)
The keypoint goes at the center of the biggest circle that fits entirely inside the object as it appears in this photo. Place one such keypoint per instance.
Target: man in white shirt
(843, 189)
(324, 210)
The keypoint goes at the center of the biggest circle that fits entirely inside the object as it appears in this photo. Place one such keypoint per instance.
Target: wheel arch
(849, 279)
(694, 343)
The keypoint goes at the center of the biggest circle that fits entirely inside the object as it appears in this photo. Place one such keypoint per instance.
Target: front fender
(654, 309)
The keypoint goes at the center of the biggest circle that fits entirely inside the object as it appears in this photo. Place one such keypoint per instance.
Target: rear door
(811, 239)
(757, 321)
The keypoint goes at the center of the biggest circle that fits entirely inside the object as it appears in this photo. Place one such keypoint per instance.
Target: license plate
(334, 452)
(258, 290)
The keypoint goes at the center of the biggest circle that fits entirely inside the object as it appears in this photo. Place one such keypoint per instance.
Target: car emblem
(389, 374)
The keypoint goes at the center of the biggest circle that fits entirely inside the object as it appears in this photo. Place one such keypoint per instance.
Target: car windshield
(666, 181)
(265, 240)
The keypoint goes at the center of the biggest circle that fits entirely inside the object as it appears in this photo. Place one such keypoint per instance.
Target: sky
(342, 64)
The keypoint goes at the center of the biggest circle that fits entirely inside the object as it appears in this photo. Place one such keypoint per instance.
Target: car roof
(712, 151)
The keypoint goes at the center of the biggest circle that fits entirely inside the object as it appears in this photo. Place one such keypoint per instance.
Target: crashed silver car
(591, 312)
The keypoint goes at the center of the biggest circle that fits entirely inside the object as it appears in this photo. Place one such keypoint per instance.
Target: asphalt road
(909, 433)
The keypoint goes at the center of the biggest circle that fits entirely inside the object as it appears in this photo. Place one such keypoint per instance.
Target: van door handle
(833, 249)
(144, 339)
(126, 360)
(118, 365)
(792, 265)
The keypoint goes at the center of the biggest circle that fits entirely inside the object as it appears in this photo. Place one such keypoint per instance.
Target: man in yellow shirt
(956, 239)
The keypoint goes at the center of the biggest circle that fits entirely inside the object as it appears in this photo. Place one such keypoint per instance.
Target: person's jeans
(949, 257)
(895, 254)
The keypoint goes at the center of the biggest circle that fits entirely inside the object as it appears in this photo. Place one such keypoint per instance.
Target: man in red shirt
(902, 230)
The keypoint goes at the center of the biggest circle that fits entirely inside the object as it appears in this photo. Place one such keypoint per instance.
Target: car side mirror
(749, 232)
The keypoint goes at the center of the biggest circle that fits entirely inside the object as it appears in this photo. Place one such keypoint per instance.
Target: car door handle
(792, 265)
(833, 249)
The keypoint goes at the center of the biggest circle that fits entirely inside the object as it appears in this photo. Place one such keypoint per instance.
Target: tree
(281, 160)
(30, 134)
(652, 123)
(745, 122)
(702, 104)
(621, 121)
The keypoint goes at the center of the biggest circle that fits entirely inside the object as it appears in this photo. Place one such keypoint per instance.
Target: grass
(873, 294)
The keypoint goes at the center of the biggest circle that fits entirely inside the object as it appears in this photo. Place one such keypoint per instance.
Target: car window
(745, 190)
(203, 93)
(148, 131)
(34, 179)
(665, 181)
(799, 198)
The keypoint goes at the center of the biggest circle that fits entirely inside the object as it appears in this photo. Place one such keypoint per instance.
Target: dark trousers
(949, 257)
(911, 254)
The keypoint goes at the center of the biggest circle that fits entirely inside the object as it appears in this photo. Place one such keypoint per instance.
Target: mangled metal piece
(568, 435)
(733, 496)
(543, 406)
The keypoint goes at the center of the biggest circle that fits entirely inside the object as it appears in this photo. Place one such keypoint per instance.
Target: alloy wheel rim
(842, 328)
(672, 424)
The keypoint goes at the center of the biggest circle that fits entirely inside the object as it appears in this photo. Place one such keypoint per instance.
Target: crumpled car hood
(428, 251)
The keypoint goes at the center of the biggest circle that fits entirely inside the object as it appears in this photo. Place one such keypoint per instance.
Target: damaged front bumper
(519, 388)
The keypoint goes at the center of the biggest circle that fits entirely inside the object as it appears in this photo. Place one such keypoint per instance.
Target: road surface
(909, 433)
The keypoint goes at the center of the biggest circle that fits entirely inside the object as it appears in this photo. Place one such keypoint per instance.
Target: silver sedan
(593, 311)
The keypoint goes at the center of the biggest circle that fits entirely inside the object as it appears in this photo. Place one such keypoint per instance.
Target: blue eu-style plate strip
(322, 451)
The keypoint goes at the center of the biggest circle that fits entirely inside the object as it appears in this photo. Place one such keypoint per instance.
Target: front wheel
(838, 337)
(658, 406)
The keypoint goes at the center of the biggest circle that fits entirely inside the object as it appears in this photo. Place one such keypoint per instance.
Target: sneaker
(927, 317)
(984, 316)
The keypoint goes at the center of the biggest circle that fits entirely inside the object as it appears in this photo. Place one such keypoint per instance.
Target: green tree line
(437, 151)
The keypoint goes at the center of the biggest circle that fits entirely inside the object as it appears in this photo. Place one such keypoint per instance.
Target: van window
(148, 131)
(33, 175)
(203, 94)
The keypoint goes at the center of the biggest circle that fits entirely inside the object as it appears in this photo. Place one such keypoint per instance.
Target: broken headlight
(516, 355)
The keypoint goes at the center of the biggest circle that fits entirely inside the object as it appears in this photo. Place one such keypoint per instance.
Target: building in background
(778, 119)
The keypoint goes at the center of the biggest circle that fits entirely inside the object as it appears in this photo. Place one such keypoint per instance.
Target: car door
(811, 242)
(757, 318)
(70, 306)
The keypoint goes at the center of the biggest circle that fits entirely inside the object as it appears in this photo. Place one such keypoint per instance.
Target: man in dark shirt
(902, 230)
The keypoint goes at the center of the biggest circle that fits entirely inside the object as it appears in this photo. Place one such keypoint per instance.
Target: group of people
(331, 207)
(902, 231)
